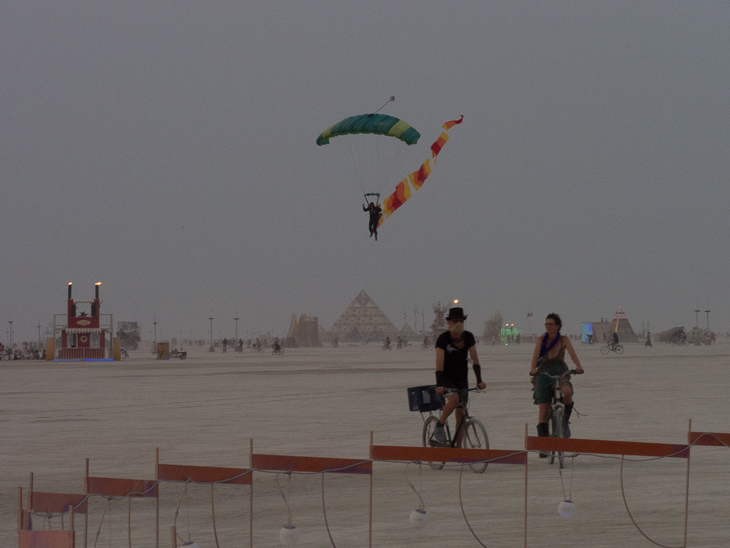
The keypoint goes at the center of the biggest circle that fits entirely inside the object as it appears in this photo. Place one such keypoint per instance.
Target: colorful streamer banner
(417, 178)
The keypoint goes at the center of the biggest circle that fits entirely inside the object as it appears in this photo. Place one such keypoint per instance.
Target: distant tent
(673, 336)
(407, 331)
(362, 321)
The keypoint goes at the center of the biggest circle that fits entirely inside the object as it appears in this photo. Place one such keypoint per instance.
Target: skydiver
(375, 212)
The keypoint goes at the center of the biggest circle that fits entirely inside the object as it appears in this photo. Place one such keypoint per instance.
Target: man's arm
(477, 368)
(440, 354)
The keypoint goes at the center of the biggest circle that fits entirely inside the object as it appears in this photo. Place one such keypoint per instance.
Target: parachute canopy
(376, 124)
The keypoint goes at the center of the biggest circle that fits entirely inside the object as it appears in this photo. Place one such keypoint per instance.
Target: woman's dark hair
(553, 316)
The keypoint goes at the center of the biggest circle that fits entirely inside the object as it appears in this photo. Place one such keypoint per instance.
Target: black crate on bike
(423, 398)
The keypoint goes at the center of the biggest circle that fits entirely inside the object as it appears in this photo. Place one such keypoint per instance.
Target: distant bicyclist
(453, 349)
(614, 340)
(549, 357)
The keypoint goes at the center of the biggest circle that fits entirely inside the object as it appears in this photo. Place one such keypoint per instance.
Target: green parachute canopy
(376, 124)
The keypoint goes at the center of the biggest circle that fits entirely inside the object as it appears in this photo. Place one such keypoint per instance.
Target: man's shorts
(462, 392)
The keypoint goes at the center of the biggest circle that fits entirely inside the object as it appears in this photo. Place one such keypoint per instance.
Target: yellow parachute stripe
(398, 128)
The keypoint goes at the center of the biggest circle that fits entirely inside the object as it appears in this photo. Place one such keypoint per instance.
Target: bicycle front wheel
(429, 427)
(475, 437)
(604, 350)
(556, 427)
(619, 349)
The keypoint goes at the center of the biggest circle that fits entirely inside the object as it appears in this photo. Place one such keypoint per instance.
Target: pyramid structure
(362, 321)
(603, 330)
(407, 331)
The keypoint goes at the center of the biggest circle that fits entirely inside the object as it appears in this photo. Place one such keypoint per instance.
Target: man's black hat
(456, 313)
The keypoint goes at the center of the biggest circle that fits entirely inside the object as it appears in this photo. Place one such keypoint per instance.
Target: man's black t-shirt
(456, 366)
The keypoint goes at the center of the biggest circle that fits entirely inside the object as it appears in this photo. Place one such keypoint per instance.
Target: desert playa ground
(325, 402)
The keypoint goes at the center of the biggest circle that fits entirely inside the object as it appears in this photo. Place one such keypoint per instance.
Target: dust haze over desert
(168, 152)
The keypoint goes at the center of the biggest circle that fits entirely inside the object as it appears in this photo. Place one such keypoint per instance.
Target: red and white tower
(85, 335)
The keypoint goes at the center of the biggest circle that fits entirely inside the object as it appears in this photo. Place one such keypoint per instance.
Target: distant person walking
(648, 339)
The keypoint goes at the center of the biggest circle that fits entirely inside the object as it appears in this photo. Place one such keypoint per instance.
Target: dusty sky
(167, 149)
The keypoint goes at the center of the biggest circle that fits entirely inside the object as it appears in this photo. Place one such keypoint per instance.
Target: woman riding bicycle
(549, 357)
(453, 349)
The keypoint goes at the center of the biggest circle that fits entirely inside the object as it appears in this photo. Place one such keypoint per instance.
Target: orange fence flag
(417, 178)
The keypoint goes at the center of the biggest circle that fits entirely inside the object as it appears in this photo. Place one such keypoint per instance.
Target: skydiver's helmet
(372, 204)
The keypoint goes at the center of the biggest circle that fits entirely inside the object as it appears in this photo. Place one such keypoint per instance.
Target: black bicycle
(425, 400)
(557, 412)
(610, 347)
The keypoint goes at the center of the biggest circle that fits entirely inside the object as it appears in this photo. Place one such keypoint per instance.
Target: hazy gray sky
(167, 149)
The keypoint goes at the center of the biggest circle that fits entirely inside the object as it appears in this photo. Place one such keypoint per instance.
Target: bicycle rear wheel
(475, 437)
(429, 427)
(619, 349)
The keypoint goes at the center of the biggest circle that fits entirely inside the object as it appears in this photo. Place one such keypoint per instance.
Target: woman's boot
(566, 420)
(543, 432)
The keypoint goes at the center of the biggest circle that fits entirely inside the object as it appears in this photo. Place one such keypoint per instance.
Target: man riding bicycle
(453, 350)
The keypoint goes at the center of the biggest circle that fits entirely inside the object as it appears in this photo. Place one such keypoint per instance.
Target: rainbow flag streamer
(417, 178)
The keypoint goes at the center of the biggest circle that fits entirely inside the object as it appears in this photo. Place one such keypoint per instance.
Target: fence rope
(631, 517)
(324, 511)
(463, 513)
(49, 515)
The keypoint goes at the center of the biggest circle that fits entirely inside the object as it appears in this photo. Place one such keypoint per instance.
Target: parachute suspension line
(353, 164)
(376, 194)
(367, 147)
(372, 164)
(392, 98)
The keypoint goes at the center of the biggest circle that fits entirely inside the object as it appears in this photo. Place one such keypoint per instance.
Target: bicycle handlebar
(569, 372)
(456, 390)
